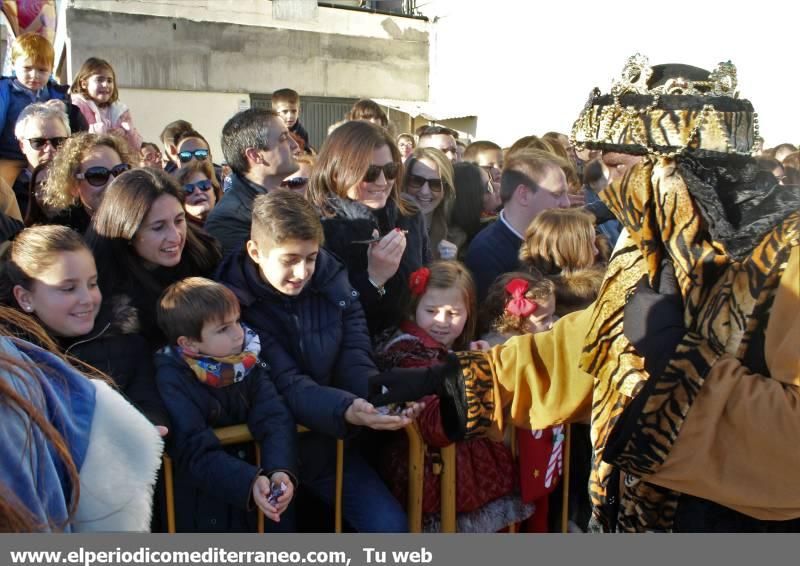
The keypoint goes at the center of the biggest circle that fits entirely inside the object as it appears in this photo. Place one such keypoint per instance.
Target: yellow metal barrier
(240, 434)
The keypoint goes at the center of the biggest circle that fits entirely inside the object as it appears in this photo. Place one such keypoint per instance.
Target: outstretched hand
(363, 413)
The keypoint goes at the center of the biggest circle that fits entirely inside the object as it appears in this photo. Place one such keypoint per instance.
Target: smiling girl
(143, 244)
(441, 317)
(50, 275)
(94, 92)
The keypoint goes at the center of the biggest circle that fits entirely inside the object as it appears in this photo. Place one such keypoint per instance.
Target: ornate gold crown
(665, 109)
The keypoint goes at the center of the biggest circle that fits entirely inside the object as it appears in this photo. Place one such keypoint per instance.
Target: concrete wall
(207, 111)
(220, 46)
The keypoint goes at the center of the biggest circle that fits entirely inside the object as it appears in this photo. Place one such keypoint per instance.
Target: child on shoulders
(212, 376)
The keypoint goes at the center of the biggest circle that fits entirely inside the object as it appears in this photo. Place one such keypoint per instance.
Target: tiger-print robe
(728, 262)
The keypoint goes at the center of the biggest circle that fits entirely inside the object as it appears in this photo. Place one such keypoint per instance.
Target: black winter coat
(115, 347)
(317, 343)
(352, 221)
(229, 221)
(222, 480)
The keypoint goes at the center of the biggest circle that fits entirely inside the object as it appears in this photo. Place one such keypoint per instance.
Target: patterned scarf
(221, 372)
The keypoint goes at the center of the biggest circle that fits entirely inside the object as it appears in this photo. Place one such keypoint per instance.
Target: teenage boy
(211, 376)
(314, 334)
(286, 102)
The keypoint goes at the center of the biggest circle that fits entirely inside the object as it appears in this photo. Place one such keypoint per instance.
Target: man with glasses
(41, 129)
(259, 150)
(531, 182)
(488, 156)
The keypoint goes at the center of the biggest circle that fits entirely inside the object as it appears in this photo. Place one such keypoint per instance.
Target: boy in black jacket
(299, 298)
(213, 376)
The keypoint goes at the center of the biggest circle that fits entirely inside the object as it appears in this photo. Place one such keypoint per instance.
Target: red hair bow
(418, 281)
(519, 305)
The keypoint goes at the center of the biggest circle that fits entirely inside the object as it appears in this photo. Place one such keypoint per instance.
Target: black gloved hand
(410, 384)
(653, 321)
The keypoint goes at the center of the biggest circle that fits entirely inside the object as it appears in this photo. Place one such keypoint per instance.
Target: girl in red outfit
(441, 317)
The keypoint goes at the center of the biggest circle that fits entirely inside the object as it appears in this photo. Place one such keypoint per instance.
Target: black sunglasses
(39, 143)
(98, 176)
(204, 186)
(418, 181)
(199, 154)
(390, 171)
(294, 183)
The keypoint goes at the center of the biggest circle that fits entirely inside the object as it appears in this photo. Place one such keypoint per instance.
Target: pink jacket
(115, 119)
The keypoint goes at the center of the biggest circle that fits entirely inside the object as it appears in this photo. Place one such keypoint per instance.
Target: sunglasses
(204, 186)
(390, 171)
(294, 183)
(98, 176)
(39, 143)
(418, 181)
(199, 154)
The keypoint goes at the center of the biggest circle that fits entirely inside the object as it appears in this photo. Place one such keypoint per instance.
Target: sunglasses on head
(39, 143)
(204, 186)
(98, 176)
(294, 183)
(199, 154)
(418, 181)
(390, 171)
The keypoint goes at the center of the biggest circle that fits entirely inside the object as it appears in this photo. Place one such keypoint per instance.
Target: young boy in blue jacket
(213, 376)
(314, 334)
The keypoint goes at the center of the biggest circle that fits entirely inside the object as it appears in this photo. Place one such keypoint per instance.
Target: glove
(411, 384)
(653, 320)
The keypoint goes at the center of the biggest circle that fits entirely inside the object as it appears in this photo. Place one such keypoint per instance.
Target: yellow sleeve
(536, 377)
(739, 444)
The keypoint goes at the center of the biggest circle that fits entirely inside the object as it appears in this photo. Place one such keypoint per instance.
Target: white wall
(207, 111)
(527, 66)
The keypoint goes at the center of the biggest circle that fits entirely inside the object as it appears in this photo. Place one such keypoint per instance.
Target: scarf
(221, 372)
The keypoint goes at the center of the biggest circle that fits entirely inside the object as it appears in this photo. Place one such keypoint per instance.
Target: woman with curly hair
(79, 175)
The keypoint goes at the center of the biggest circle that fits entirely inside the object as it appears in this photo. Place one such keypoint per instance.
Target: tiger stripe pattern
(725, 304)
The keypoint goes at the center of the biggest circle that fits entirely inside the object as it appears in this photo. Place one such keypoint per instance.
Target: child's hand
(363, 413)
(447, 250)
(480, 345)
(282, 479)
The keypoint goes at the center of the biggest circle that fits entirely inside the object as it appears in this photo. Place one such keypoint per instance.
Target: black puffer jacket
(350, 220)
(115, 347)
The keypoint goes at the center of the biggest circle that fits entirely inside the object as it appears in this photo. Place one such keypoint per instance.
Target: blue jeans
(367, 504)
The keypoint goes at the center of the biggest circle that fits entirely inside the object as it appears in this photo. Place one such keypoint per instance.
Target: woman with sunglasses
(298, 181)
(143, 243)
(201, 191)
(429, 182)
(79, 175)
(378, 233)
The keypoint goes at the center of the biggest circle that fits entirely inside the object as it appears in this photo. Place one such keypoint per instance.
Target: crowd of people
(150, 295)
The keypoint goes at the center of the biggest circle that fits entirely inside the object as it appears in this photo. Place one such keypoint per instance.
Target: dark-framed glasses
(99, 176)
(390, 171)
(294, 183)
(204, 186)
(416, 182)
(39, 143)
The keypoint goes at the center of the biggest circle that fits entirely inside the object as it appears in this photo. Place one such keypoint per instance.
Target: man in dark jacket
(313, 331)
(259, 150)
(212, 375)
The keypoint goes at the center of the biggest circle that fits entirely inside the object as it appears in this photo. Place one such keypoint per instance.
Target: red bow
(418, 281)
(519, 305)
